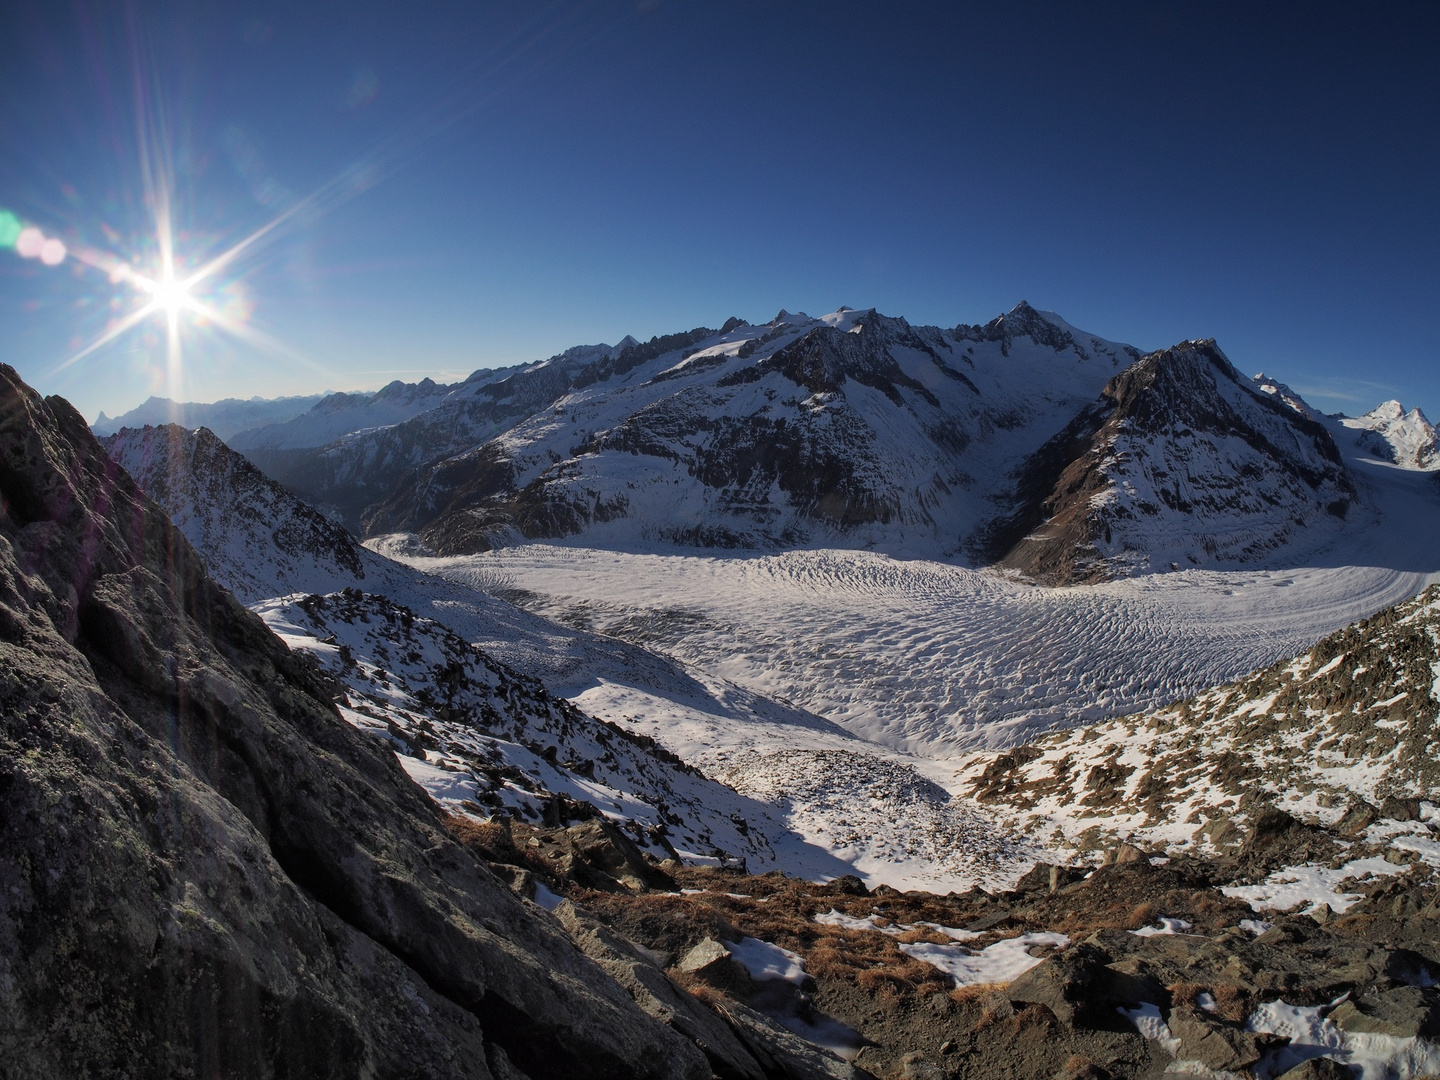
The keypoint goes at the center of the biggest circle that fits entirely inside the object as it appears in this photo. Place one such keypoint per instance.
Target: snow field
(933, 658)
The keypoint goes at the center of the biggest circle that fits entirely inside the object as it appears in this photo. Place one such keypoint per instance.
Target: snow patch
(765, 961)
(1003, 962)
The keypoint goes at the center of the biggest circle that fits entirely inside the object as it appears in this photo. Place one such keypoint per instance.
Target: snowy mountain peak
(1392, 410)
(226, 418)
(256, 537)
(1388, 432)
(1043, 328)
(1281, 392)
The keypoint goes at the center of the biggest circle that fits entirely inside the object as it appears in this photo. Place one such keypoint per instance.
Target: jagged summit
(1041, 327)
(855, 427)
(226, 418)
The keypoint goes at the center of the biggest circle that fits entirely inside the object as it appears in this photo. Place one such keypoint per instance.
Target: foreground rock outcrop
(1137, 968)
(203, 869)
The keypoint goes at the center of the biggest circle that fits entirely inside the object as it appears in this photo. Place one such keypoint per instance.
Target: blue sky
(494, 183)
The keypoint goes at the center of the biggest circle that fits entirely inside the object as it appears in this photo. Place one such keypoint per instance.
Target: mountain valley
(827, 698)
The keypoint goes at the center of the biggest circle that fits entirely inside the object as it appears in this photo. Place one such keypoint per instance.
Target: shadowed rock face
(203, 869)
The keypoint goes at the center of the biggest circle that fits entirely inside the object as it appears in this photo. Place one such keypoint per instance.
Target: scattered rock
(1358, 817)
(1124, 855)
(1063, 983)
(1213, 1043)
(1277, 838)
(782, 1052)
(1319, 1068)
(1403, 1012)
(913, 1066)
(1220, 832)
(1398, 809)
(703, 957)
(630, 966)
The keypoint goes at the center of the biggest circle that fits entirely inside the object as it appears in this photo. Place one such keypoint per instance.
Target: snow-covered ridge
(389, 673)
(853, 429)
(257, 539)
(482, 738)
(1182, 462)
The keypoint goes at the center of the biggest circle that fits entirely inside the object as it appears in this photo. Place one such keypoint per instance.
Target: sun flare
(170, 296)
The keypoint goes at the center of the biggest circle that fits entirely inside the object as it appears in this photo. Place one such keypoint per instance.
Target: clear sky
(472, 184)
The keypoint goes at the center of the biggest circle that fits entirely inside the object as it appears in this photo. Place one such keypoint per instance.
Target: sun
(170, 295)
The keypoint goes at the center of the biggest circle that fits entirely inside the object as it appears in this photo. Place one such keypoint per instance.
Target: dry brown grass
(1032, 1015)
(491, 839)
(1231, 1002)
(672, 924)
(983, 994)
(1141, 915)
(1185, 993)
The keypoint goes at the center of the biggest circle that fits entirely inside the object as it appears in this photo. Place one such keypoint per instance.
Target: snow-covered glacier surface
(936, 659)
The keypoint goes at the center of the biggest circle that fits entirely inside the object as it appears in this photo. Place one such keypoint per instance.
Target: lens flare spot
(9, 228)
(52, 252)
(30, 242)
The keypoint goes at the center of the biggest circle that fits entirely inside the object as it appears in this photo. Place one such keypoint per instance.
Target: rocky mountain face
(850, 429)
(1024, 441)
(205, 868)
(232, 513)
(344, 455)
(1181, 462)
(483, 739)
(475, 733)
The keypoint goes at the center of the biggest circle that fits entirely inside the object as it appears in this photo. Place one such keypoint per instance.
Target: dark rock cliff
(203, 869)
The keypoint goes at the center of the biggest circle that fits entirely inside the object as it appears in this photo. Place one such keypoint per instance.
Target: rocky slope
(232, 513)
(477, 734)
(1339, 733)
(1140, 967)
(206, 869)
(1182, 462)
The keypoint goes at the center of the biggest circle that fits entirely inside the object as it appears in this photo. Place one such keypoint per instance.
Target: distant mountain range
(1024, 442)
(225, 418)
